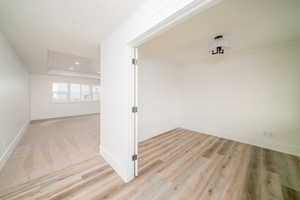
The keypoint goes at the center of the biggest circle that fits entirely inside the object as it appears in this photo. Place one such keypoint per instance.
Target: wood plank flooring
(178, 165)
(51, 145)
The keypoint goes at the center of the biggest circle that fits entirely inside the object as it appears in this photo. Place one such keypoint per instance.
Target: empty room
(222, 87)
(150, 100)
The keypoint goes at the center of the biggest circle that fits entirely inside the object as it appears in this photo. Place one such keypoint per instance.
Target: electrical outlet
(268, 134)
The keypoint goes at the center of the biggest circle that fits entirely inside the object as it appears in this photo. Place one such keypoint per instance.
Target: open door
(135, 110)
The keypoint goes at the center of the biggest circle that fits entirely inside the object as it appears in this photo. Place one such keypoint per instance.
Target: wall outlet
(268, 134)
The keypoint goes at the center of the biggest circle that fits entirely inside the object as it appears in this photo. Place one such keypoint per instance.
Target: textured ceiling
(73, 27)
(246, 24)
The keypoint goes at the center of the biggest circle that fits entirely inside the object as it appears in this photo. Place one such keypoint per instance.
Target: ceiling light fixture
(77, 63)
(218, 45)
(71, 68)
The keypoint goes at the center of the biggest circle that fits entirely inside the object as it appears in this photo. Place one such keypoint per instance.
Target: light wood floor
(51, 145)
(178, 165)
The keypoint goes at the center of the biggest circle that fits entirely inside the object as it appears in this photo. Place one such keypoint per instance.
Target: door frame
(135, 105)
(180, 16)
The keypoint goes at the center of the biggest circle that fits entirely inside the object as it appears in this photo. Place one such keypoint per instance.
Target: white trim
(181, 15)
(114, 164)
(263, 143)
(65, 116)
(11, 147)
(73, 74)
(185, 13)
(135, 115)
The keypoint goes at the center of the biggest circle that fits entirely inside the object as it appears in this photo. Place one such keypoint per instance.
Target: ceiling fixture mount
(218, 45)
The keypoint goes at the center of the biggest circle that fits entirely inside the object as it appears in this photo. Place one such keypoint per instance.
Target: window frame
(53, 92)
(69, 100)
(95, 86)
(70, 93)
(90, 93)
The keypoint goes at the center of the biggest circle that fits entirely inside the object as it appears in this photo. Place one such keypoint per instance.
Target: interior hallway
(51, 145)
(177, 165)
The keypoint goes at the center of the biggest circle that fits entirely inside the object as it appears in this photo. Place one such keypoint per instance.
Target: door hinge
(134, 61)
(134, 157)
(134, 109)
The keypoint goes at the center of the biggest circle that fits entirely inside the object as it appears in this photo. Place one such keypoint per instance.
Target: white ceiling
(72, 27)
(62, 64)
(246, 24)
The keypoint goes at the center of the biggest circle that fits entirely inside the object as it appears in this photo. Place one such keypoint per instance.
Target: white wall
(159, 97)
(42, 106)
(248, 95)
(245, 93)
(117, 139)
(14, 99)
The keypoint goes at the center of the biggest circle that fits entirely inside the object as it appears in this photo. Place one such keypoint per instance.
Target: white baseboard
(9, 150)
(34, 119)
(274, 145)
(115, 165)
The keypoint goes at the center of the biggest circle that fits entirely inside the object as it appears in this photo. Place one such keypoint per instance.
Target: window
(86, 93)
(96, 93)
(74, 92)
(60, 92)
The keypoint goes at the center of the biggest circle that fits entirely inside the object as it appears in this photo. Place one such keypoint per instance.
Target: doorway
(181, 83)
